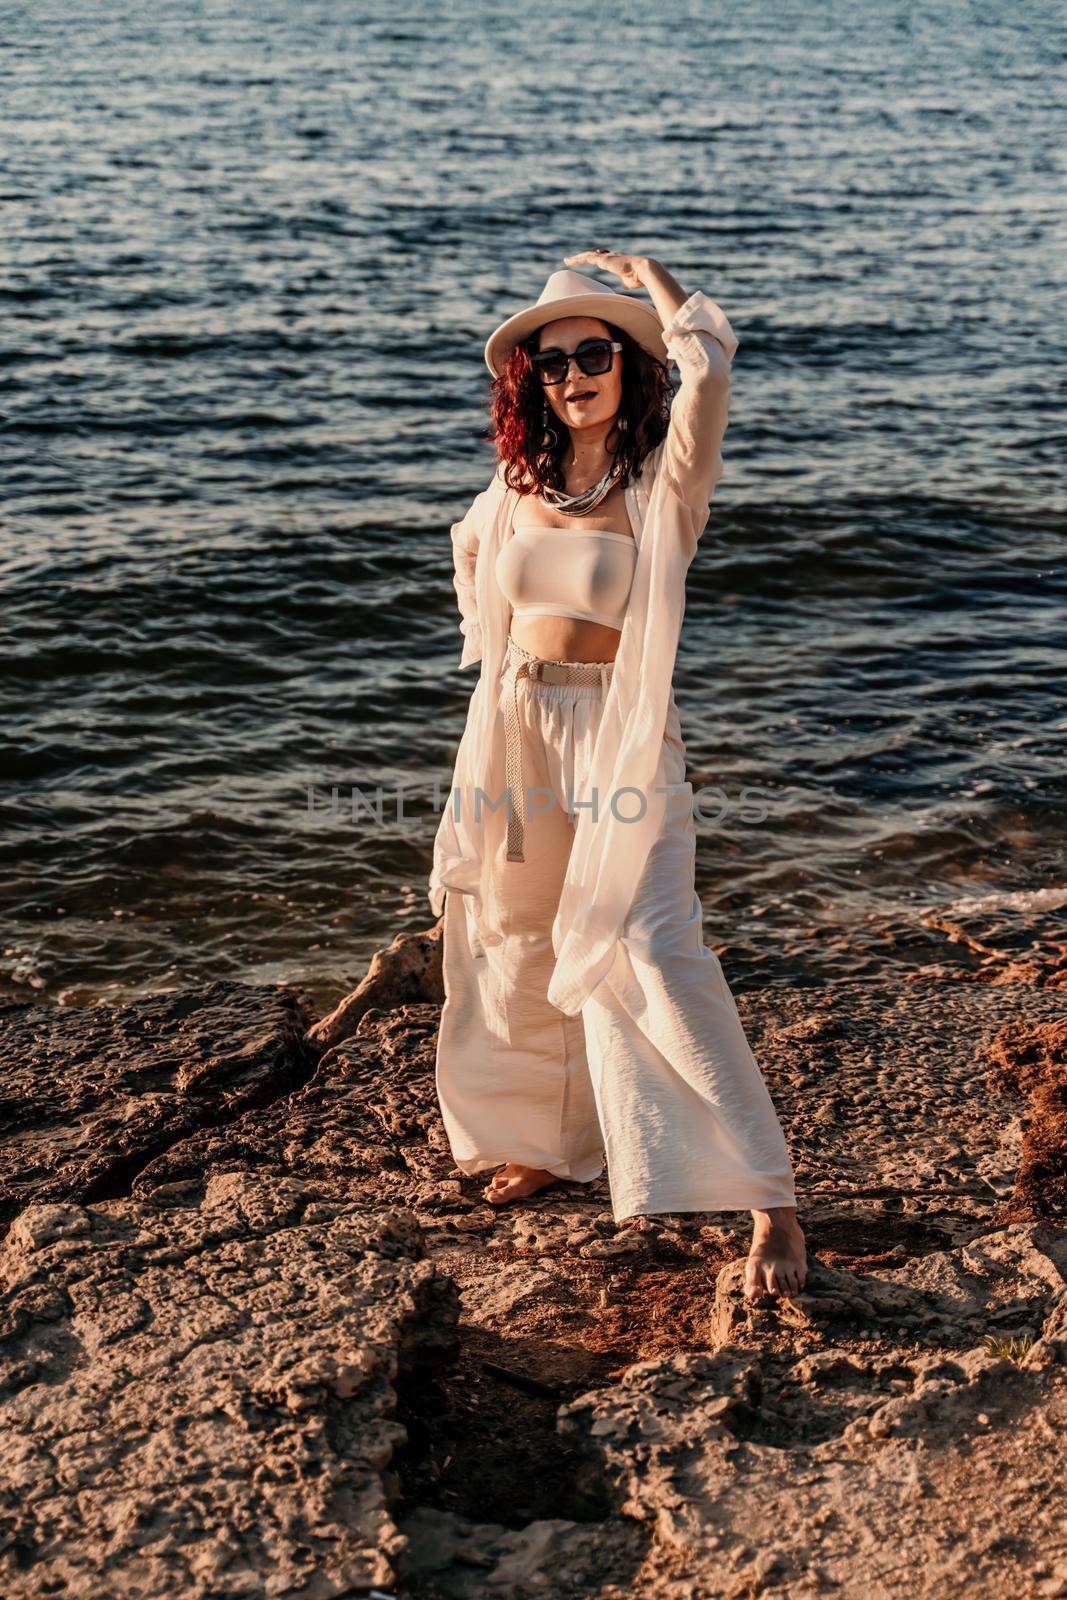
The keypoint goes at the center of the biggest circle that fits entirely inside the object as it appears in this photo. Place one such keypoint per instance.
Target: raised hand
(629, 268)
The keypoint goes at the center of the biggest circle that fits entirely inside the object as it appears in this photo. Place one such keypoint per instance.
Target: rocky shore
(260, 1338)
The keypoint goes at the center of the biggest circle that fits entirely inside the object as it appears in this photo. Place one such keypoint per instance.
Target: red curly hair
(519, 410)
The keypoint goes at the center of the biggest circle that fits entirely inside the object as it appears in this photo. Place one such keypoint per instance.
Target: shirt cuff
(472, 645)
(700, 314)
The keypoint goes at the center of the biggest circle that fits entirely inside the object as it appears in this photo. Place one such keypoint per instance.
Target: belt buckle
(533, 670)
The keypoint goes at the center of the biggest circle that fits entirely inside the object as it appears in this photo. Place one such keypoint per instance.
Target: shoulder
(496, 488)
(482, 512)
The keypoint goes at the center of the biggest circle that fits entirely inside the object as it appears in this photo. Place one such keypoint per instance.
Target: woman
(585, 1019)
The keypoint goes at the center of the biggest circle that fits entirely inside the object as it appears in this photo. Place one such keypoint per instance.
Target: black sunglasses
(593, 356)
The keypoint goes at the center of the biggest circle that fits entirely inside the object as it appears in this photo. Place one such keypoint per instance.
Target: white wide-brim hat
(572, 294)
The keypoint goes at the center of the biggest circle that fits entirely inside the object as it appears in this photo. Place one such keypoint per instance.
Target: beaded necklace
(577, 505)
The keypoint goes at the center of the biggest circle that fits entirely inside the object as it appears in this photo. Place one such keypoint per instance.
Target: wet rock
(366, 1119)
(91, 1095)
(1041, 963)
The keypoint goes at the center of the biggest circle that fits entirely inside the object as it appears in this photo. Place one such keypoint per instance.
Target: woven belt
(530, 666)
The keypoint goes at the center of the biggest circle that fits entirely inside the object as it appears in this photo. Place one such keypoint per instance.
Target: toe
(753, 1287)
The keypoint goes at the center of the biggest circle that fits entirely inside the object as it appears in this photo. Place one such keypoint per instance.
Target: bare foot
(512, 1181)
(777, 1262)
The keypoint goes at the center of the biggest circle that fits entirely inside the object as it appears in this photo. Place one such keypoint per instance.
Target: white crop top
(568, 572)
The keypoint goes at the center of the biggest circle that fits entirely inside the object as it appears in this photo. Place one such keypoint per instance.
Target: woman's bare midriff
(569, 638)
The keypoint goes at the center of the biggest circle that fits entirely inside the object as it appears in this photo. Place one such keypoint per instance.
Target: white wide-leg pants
(655, 1077)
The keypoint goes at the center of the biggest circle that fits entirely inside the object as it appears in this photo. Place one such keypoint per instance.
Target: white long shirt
(637, 772)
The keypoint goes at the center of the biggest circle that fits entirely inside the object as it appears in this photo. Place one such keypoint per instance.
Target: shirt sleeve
(466, 538)
(700, 340)
(464, 559)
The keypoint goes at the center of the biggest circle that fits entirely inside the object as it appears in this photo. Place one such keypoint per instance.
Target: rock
(1051, 1346)
(1002, 1280)
(855, 1067)
(692, 1445)
(468, 1562)
(91, 1095)
(520, 1285)
(896, 1429)
(214, 1402)
(624, 1247)
(40, 1225)
(1031, 1059)
(365, 1120)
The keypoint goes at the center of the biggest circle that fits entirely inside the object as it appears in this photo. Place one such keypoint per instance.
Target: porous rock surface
(197, 1392)
(599, 1412)
(858, 1441)
(89, 1094)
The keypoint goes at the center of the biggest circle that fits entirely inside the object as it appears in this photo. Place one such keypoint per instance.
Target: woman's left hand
(629, 268)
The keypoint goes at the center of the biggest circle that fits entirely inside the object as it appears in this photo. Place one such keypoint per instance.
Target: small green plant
(1008, 1349)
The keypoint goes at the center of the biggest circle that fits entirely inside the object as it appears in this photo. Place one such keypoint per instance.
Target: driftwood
(406, 971)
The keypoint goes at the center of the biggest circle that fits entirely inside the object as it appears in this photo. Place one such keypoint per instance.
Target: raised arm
(698, 336)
